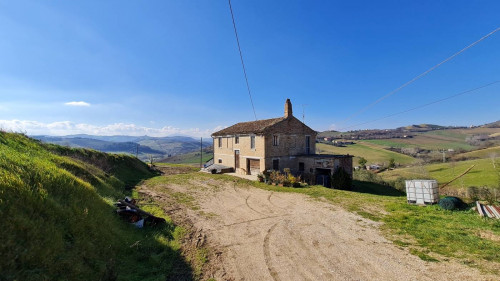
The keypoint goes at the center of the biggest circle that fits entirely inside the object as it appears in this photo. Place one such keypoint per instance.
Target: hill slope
(371, 152)
(483, 173)
(59, 223)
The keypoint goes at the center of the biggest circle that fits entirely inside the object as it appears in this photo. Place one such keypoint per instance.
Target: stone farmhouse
(274, 144)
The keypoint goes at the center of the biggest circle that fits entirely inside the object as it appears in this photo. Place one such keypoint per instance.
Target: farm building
(275, 144)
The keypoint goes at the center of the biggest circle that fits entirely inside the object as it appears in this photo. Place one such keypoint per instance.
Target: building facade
(274, 144)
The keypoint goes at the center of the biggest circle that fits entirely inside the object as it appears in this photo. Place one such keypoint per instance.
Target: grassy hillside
(371, 152)
(483, 173)
(190, 158)
(438, 139)
(481, 153)
(59, 223)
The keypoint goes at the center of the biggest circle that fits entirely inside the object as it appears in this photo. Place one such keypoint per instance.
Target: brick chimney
(288, 108)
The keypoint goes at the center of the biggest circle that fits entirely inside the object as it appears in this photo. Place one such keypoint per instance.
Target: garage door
(254, 166)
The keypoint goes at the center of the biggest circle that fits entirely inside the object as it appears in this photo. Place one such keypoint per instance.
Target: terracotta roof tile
(254, 127)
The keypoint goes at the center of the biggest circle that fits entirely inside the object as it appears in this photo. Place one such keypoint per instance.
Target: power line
(420, 76)
(424, 105)
(241, 57)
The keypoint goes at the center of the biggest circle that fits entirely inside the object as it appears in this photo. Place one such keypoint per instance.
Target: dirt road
(263, 235)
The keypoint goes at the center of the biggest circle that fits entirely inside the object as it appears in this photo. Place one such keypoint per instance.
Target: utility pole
(201, 152)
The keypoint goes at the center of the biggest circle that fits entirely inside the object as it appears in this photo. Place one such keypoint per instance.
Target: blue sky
(173, 68)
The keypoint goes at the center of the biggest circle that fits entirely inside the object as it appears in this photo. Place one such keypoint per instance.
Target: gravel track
(264, 235)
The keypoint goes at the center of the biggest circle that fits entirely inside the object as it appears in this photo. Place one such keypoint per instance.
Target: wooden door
(236, 159)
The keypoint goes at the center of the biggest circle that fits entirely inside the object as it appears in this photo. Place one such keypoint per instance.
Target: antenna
(304, 113)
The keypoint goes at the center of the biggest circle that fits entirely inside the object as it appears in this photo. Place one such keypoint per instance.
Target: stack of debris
(489, 211)
(128, 210)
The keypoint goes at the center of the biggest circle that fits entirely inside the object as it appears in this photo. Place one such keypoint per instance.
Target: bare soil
(254, 234)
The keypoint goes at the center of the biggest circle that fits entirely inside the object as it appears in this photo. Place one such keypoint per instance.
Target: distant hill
(191, 157)
(157, 147)
(424, 127)
(492, 125)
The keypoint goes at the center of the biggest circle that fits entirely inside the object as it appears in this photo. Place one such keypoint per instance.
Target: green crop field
(371, 152)
(483, 173)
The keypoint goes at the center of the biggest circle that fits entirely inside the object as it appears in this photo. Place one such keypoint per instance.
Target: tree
(362, 162)
(392, 163)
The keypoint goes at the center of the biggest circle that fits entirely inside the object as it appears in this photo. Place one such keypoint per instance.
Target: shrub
(364, 175)
(341, 179)
(473, 193)
(400, 184)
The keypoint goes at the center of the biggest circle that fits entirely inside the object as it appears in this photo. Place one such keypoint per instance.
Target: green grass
(428, 232)
(483, 173)
(59, 223)
(429, 142)
(371, 152)
(189, 158)
(481, 153)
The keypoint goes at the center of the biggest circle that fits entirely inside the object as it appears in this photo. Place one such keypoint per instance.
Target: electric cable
(241, 57)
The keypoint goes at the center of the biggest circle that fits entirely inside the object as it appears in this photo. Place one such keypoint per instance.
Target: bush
(400, 184)
(364, 175)
(341, 179)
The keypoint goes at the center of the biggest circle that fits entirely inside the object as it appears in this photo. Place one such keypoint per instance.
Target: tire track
(267, 254)
(247, 221)
(270, 202)
(246, 202)
(295, 235)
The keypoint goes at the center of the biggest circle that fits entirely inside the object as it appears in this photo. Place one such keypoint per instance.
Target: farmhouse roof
(254, 127)
(260, 126)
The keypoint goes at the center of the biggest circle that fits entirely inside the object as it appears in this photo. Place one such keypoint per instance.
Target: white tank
(423, 192)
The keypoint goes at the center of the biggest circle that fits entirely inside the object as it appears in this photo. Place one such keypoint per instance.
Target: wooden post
(201, 152)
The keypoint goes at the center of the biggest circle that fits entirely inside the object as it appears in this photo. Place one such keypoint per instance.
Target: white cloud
(69, 128)
(77, 103)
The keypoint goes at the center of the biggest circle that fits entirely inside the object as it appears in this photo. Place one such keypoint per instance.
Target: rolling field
(189, 158)
(427, 141)
(481, 153)
(483, 173)
(373, 153)
(438, 139)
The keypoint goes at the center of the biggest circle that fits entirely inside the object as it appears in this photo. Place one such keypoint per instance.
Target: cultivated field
(438, 139)
(373, 153)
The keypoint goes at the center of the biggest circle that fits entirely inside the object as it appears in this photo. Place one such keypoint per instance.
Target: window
(220, 160)
(236, 140)
(220, 141)
(301, 167)
(276, 164)
(275, 141)
(252, 142)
